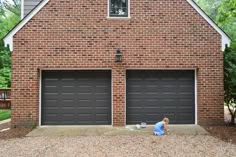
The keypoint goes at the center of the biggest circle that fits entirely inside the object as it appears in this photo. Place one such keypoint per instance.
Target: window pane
(118, 7)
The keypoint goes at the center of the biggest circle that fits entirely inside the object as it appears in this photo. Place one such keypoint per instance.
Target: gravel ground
(172, 145)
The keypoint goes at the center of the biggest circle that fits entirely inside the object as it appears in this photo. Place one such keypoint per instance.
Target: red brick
(162, 34)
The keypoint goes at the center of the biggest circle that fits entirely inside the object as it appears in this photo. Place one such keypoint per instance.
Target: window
(118, 8)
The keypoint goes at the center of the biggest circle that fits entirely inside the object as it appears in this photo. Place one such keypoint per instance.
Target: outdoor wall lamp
(118, 55)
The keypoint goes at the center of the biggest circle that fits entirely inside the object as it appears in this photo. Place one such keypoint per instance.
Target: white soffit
(8, 39)
(225, 40)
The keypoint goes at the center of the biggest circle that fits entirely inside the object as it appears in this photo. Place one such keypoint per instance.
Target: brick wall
(163, 34)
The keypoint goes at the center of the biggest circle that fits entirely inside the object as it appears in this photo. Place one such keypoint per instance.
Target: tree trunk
(232, 119)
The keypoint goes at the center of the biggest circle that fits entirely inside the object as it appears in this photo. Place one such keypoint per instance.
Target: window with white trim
(118, 8)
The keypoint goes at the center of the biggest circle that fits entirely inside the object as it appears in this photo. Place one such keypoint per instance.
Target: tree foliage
(210, 7)
(223, 12)
(9, 17)
(230, 80)
(13, 7)
(226, 17)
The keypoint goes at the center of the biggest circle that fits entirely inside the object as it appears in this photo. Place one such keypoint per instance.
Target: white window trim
(117, 18)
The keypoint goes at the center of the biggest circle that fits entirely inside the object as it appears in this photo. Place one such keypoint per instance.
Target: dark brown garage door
(154, 94)
(76, 97)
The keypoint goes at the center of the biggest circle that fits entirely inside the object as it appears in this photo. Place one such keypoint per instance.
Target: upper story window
(118, 8)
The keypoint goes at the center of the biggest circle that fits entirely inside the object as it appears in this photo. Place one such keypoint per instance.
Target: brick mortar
(68, 36)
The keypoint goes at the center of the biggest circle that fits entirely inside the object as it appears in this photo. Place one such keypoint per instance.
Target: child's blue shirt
(159, 128)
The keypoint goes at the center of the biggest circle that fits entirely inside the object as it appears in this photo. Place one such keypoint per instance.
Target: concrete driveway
(110, 131)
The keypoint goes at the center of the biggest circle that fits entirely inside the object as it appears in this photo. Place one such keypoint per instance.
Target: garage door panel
(51, 118)
(101, 123)
(148, 103)
(154, 94)
(67, 107)
(102, 110)
(170, 115)
(133, 104)
(67, 89)
(84, 110)
(68, 103)
(85, 117)
(134, 96)
(101, 116)
(102, 96)
(51, 96)
(84, 96)
(152, 110)
(152, 88)
(51, 112)
(102, 103)
(84, 89)
(135, 88)
(66, 110)
(101, 89)
(75, 97)
(84, 103)
(50, 89)
(51, 103)
(163, 95)
(134, 110)
(185, 106)
(68, 117)
(185, 88)
(67, 96)
(165, 103)
(67, 82)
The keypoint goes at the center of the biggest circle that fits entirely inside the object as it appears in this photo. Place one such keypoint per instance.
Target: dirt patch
(14, 133)
(5, 125)
(224, 132)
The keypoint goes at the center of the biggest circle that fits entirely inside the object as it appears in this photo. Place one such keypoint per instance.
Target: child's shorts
(159, 133)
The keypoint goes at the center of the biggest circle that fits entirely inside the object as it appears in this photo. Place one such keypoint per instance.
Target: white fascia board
(225, 40)
(22, 9)
(8, 40)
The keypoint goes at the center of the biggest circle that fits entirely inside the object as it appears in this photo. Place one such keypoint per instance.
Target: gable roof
(225, 39)
(8, 39)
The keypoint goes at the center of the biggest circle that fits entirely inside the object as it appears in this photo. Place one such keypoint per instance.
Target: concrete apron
(112, 131)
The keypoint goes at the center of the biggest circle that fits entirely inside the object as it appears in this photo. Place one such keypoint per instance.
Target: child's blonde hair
(166, 120)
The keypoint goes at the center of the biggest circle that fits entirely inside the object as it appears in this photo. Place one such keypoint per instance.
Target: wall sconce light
(118, 55)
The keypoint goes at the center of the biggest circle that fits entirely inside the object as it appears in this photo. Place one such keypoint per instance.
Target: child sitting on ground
(160, 128)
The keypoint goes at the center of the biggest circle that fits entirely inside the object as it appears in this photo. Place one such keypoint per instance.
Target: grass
(5, 114)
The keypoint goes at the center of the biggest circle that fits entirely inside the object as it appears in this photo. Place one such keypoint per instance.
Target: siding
(29, 5)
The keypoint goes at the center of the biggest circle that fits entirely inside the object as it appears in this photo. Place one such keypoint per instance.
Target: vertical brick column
(25, 96)
(118, 94)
